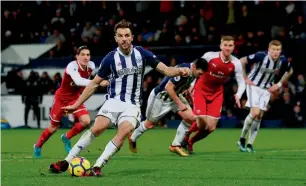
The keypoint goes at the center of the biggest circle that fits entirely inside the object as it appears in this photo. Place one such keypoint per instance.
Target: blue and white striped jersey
(265, 68)
(181, 83)
(125, 73)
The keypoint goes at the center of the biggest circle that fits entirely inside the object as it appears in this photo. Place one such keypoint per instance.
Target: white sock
(180, 133)
(246, 126)
(139, 131)
(83, 142)
(108, 152)
(254, 130)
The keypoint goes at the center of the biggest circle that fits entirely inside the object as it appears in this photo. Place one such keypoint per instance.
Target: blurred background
(39, 38)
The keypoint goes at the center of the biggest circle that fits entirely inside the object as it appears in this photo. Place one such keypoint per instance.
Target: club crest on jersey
(177, 78)
(138, 59)
(72, 84)
(252, 56)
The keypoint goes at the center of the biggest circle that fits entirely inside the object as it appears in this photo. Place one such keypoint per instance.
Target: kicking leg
(101, 124)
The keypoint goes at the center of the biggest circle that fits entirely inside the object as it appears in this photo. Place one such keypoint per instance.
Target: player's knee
(85, 121)
(101, 123)
(54, 126)
(255, 113)
(211, 128)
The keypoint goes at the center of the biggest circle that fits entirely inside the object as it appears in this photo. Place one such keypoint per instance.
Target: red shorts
(57, 113)
(207, 104)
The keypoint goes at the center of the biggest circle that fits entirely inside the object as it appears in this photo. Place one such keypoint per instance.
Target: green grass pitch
(280, 160)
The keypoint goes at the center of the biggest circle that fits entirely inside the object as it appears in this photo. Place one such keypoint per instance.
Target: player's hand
(273, 88)
(104, 83)
(69, 108)
(184, 71)
(248, 81)
(237, 100)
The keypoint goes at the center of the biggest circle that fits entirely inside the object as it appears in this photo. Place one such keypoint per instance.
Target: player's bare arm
(87, 93)
(172, 71)
(284, 78)
(240, 78)
(104, 83)
(244, 62)
(171, 92)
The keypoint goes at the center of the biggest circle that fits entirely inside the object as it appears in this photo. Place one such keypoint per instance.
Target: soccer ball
(79, 167)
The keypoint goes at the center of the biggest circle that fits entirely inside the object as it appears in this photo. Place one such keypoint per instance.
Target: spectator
(56, 37)
(32, 97)
(46, 83)
(57, 81)
(88, 30)
(298, 116)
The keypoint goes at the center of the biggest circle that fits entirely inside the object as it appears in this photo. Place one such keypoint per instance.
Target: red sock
(193, 127)
(45, 135)
(76, 129)
(198, 136)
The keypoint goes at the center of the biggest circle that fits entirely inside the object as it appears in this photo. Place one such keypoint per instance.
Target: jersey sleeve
(72, 71)
(92, 66)
(149, 57)
(239, 78)
(209, 55)
(177, 79)
(255, 58)
(105, 66)
(285, 66)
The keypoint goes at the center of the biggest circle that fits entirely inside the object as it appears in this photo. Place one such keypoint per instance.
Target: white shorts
(118, 111)
(257, 97)
(158, 108)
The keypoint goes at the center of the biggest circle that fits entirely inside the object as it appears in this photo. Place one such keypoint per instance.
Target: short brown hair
(82, 48)
(123, 24)
(227, 38)
(275, 43)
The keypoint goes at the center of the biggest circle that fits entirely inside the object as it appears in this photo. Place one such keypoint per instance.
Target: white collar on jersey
(230, 59)
(81, 65)
(120, 52)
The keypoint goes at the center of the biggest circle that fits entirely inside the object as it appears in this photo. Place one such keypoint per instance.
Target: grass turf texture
(280, 160)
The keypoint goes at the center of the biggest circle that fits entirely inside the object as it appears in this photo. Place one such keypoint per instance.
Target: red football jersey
(74, 81)
(219, 72)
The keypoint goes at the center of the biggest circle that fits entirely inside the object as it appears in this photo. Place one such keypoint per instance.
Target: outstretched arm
(88, 91)
(171, 71)
(161, 67)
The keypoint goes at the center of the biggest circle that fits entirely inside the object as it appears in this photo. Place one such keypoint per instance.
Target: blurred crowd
(71, 24)
(164, 23)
